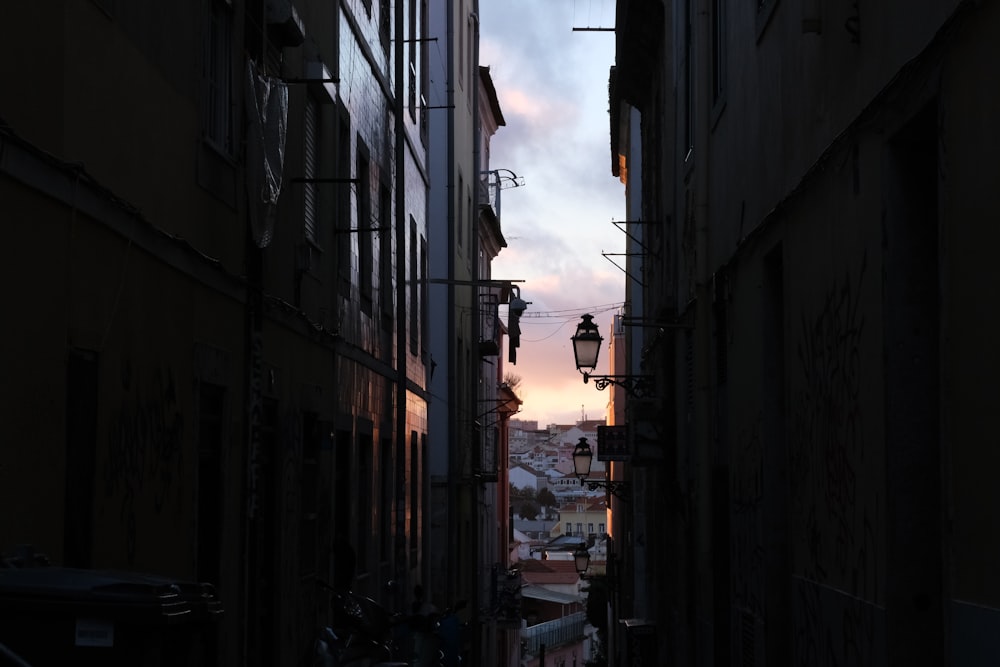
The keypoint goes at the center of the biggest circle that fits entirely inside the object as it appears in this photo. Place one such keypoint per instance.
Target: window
(469, 58)
(461, 47)
(385, 499)
(460, 222)
(590, 529)
(688, 81)
(600, 529)
(569, 527)
(579, 529)
(424, 76)
(424, 324)
(344, 188)
(469, 213)
(218, 73)
(385, 253)
(310, 166)
(399, 489)
(365, 227)
(718, 51)
(412, 58)
(384, 24)
(414, 288)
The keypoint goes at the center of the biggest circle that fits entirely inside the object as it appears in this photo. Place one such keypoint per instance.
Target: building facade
(471, 403)
(808, 182)
(218, 370)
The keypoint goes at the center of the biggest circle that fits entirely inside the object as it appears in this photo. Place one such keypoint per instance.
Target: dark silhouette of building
(213, 355)
(812, 215)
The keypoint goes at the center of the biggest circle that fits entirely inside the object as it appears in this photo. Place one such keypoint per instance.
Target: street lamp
(583, 457)
(586, 347)
(582, 559)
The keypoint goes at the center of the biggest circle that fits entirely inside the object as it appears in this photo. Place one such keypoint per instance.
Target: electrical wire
(562, 318)
(572, 312)
(544, 338)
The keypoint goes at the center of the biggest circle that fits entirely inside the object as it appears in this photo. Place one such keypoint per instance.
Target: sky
(552, 86)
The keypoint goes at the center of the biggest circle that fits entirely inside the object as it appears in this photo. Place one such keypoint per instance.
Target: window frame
(218, 125)
(364, 227)
(345, 188)
(312, 133)
(720, 51)
(385, 254)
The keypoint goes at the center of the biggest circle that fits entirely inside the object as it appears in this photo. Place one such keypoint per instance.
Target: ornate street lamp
(582, 559)
(586, 347)
(582, 459)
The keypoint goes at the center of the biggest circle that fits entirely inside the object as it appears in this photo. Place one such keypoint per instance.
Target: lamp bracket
(609, 255)
(636, 386)
(620, 490)
(622, 226)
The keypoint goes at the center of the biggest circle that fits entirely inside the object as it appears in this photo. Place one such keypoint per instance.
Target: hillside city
(541, 460)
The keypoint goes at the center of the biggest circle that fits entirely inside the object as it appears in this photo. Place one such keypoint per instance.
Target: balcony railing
(561, 631)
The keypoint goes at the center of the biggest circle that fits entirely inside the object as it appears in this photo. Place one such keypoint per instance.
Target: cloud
(555, 392)
(552, 87)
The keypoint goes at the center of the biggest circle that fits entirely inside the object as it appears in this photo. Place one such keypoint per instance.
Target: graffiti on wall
(144, 448)
(836, 512)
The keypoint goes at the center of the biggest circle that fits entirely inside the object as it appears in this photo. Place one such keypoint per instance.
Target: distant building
(586, 518)
(553, 607)
(523, 476)
(537, 529)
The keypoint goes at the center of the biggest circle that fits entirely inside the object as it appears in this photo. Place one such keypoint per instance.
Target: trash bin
(54, 615)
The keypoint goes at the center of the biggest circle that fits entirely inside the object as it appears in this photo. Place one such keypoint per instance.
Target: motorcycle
(360, 633)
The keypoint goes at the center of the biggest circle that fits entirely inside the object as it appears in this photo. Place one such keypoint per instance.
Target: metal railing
(561, 631)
